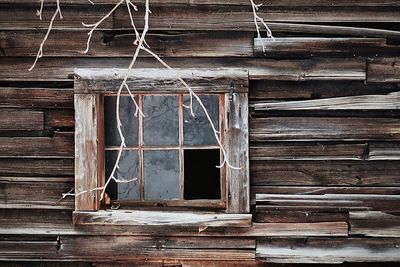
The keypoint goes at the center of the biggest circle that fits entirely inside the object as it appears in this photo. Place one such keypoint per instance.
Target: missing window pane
(202, 177)
(197, 130)
(161, 124)
(129, 121)
(161, 175)
(128, 169)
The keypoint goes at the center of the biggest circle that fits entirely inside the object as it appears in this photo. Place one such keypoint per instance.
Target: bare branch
(97, 24)
(40, 51)
(257, 19)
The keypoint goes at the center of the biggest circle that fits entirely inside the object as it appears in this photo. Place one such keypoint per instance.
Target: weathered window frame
(90, 84)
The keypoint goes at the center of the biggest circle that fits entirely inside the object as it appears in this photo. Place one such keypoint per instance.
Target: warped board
(116, 44)
(329, 173)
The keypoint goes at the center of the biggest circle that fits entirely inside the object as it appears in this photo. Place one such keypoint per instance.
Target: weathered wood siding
(324, 130)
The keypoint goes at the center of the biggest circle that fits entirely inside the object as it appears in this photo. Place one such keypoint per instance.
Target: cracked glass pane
(128, 169)
(197, 130)
(128, 120)
(161, 121)
(161, 175)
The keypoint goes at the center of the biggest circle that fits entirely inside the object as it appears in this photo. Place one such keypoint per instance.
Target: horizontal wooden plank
(323, 250)
(128, 248)
(310, 46)
(323, 128)
(390, 101)
(161, 80)
(61, 145)
(240, 17)
(186, 263)
(36, 167)
(290, 90)
(20, 120)
(137, 217)
(301, 217)
(340, 202)
(24, 16)
(383, 70)
(192, 17)
(375, 224)
(330, 173)
(36, 97)
(308, 151)
(59, 119)
(318, 190)
(116, 44)
(27, 249)
(284, 3)
(35, 194)
(384, 151)
(61, 69)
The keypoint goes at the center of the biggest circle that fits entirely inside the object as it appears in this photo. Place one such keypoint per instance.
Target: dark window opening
(202, 177)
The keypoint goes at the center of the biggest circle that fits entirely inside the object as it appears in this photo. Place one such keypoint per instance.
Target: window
(173, 154)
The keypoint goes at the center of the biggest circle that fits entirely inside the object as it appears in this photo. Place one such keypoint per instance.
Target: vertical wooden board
(237, 145)
(86, 151)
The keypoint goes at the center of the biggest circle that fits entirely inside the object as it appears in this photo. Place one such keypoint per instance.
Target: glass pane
(197, 130)
(161, 121)
(161, 175)
(128, 120)
(128, 169)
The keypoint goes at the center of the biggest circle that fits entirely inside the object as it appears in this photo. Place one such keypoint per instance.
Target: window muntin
(161, 143)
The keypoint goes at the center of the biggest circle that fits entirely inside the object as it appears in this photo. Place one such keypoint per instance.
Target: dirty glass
(161, 175)
(128, 120)
(128, 169)
(161, 121)
(197, 130)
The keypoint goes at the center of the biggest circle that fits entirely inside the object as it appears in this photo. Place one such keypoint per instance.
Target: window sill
(161, 218)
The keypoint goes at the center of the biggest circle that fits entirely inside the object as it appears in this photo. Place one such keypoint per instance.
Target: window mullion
(181, 152)
(140, 150)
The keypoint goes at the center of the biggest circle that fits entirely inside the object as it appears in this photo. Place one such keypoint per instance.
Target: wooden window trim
(90, 84)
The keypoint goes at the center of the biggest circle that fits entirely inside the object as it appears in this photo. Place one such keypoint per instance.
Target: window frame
(92, 83)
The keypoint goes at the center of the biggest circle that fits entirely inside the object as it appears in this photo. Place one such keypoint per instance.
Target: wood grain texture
(61, 145)
(310, 46)
(307, 90)
(383, 70)
(329, 202)
(390, 101)
(86, 152)
(329, 173)
(320, 250)
(161, 80)
(35, 193)
(36, 98)
(36, 167)
(384, 151)
(237, 145)
(374, 224)
(162, 218)
(62, 69)
(20, 119)
(117, 44)
(320, 128)
(308, 151)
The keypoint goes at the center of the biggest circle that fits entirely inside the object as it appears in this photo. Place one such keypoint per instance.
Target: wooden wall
(324, 130)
